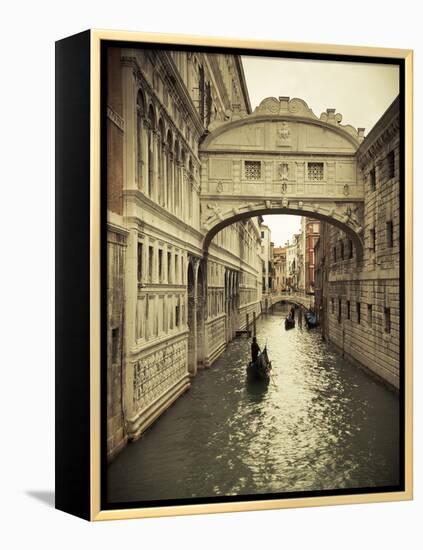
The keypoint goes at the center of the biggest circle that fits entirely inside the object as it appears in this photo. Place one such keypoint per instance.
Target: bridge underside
(345, 216)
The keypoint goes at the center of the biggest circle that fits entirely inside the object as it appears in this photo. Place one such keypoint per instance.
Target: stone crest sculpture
(283, 135)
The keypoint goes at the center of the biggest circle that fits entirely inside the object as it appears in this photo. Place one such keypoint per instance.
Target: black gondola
(311, 319)
(260, 370)
(289, 323)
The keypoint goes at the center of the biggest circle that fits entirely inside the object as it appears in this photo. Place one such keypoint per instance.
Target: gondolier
(260, 366)
(255, 350)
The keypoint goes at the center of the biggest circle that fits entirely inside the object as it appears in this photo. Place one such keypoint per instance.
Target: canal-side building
(169, 312)
(295, 261)
(311, 235)
(266, 249)
(279, 263)
(359, 301)
(291, 262)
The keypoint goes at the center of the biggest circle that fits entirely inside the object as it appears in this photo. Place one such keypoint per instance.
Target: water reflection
(318, 424)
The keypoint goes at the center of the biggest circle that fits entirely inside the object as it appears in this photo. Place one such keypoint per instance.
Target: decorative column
(164, 172)
(156, 183)
(172, 182)
(130, 117)
(144, 152)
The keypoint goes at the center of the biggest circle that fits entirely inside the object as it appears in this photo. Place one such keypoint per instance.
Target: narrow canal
(320, 424)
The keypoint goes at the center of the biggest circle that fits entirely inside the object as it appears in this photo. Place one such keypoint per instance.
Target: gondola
(311, 319)
(260, 370)
(289, 323)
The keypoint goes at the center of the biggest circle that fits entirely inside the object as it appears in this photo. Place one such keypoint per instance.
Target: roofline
(241, 72)
(388, 116)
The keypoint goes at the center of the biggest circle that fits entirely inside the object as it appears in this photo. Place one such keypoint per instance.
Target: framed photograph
(234, 275)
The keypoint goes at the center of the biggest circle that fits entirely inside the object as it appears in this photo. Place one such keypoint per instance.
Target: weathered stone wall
(362, 312)
(116, 431)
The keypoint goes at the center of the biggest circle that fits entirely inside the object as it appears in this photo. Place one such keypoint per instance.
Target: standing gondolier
(255, 350)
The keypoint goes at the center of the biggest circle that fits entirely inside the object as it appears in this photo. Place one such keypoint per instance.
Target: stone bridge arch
(282, 159)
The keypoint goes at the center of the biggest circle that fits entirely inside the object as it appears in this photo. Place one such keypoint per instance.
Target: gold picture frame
(79, 64)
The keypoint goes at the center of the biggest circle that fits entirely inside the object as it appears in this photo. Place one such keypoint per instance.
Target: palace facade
(170, 313)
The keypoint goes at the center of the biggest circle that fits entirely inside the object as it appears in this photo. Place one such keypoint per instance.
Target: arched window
(161, 163)
(169, 171)
(183, 184)
(151, 129)
(177, 179)
(140, 138)
(190, 190)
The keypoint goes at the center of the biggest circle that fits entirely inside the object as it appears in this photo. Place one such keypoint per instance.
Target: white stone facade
(171, 310)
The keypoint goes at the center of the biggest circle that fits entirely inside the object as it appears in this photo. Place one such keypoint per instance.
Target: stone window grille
(358, 305)
(252, 170)
(387, 316)
(315, 171)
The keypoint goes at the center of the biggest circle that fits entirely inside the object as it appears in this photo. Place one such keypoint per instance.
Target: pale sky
(361, 92)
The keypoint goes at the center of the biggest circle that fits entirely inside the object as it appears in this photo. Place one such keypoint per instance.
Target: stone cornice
(387, 128)
(238, 63)
(115, 118)
(158, 210)
(282, 156)
(347, 132)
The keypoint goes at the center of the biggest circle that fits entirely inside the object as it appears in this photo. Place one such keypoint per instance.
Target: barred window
(252, 170)
(372, 179)
(315, 171)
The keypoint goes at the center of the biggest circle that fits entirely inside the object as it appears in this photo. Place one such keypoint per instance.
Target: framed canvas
(233, 275)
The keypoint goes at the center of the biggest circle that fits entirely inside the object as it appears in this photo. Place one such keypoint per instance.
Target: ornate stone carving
(115, 118)
(283, 134)
(283, 171)
(215, 211)
(350, 217)
(219, 187)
